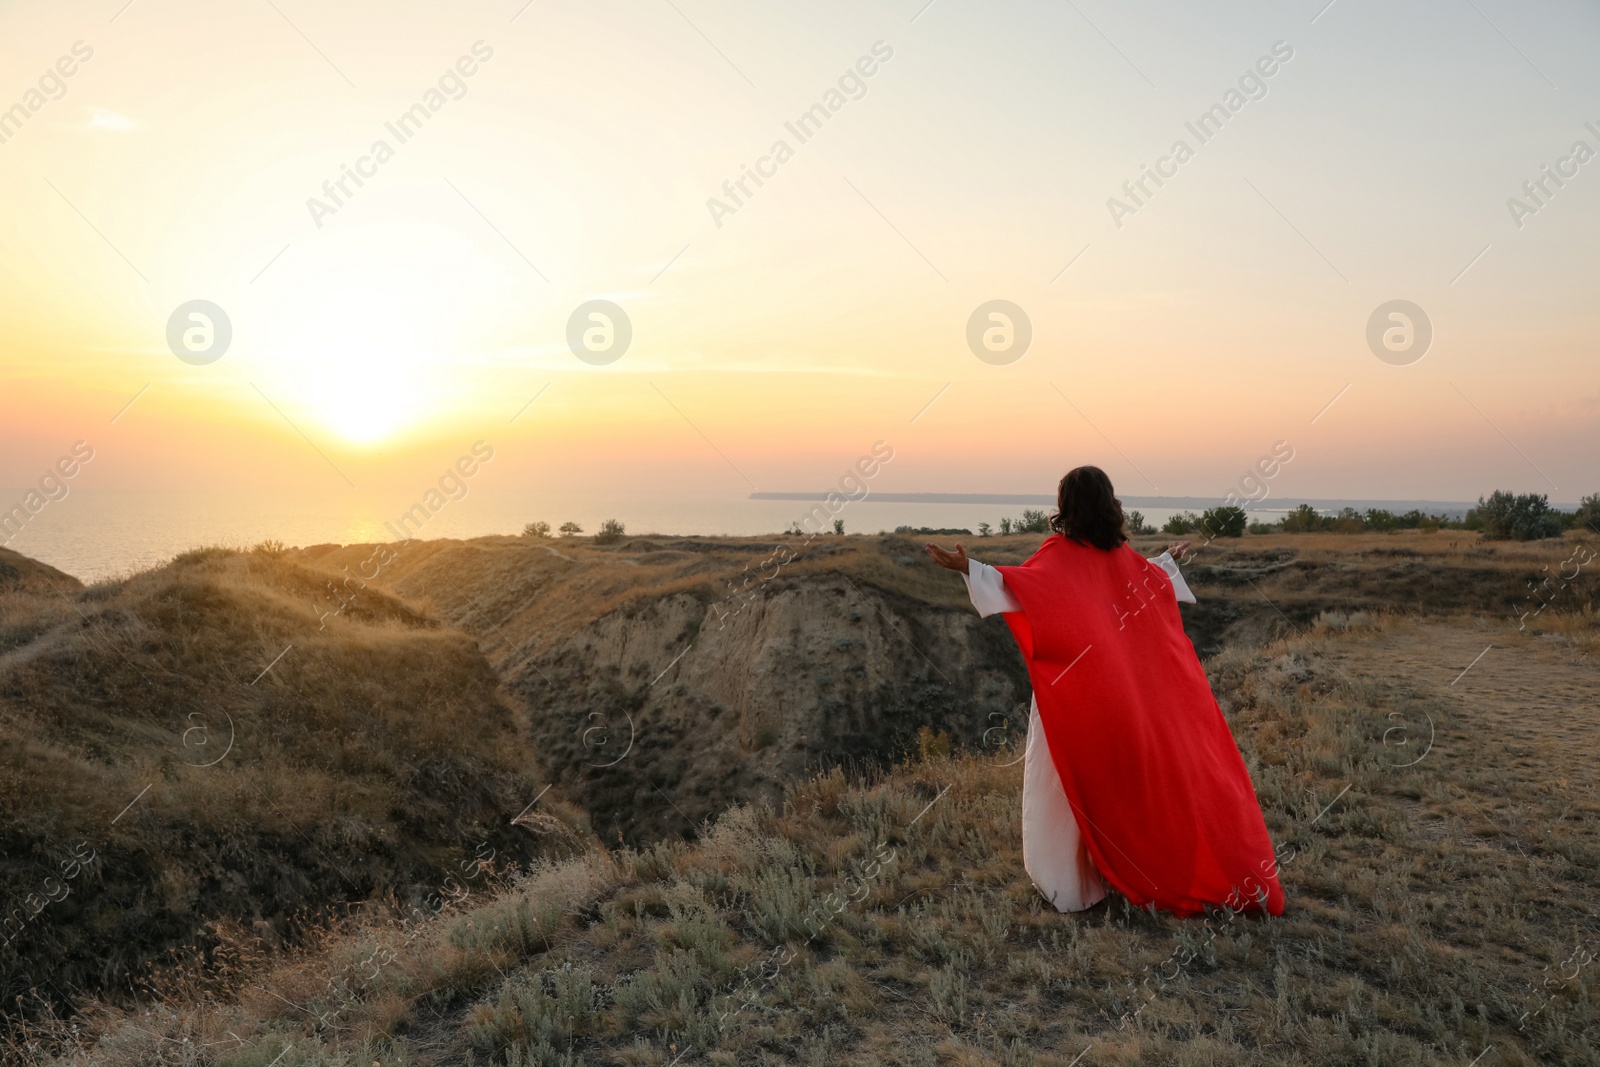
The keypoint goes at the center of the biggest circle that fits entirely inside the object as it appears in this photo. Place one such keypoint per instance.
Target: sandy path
(1526, 704)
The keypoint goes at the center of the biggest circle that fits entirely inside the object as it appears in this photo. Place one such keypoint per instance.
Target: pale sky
(774, 344)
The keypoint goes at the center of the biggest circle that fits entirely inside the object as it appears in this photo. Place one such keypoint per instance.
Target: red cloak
(1161, 794)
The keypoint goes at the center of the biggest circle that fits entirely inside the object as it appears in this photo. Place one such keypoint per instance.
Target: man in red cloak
(1164, 807)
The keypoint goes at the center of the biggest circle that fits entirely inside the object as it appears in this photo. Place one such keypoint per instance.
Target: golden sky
(776, 337)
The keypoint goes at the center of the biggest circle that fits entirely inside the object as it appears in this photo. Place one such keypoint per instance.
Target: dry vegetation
(525, 596)
(727, 690)
(139, 723)
(1426, 768)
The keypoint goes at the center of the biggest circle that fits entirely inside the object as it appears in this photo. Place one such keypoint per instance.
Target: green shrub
(1304, 519)
(536, 529)
(536, 1013)
(1179, 524)
(1587, 517)
(1226, 521)
(1506, 516)
(781, 901)
(611, 532)
(1348, 520)
(1381, 519)
(675, 983)
(947, 991)
(519, 924)
(1137, 525)
(1416, 520)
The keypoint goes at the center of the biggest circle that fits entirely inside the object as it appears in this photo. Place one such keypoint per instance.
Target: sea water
(96, 533)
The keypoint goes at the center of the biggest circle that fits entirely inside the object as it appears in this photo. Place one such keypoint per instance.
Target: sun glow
(373, 342)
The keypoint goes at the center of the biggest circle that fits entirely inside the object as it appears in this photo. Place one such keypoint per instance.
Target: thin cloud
(113, 121)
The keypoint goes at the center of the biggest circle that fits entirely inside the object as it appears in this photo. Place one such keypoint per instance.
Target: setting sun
(368, 336)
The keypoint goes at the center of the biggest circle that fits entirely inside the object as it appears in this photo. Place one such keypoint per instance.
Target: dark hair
(1087, 509)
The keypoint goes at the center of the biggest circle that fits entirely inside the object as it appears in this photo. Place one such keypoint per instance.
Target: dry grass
(536, 593)
(1434, 903)
(1435, 810)
(139, 721)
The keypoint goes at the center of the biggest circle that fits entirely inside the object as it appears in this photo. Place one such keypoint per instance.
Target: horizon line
(1137, 501)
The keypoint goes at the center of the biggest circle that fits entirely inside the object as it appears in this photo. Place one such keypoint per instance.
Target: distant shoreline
(1454, 508)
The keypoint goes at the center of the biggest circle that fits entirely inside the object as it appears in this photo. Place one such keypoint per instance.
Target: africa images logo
(52, 85)
(804, 128)
(403, 129)
(1252, 86)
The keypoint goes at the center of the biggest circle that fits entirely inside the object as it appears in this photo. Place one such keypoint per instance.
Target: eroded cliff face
(658, 717)
(645, 697)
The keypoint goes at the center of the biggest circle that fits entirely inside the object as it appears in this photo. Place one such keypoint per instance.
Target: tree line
(1500, 516)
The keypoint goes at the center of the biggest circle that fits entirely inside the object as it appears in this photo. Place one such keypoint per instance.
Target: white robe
(1053, 851)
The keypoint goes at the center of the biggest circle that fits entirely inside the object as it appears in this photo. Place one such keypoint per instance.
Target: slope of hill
(19, 573)
(24, 584)
(660, 689)
(1434, 807)
(194, 746)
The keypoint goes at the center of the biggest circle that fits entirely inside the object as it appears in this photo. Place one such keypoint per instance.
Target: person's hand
(955, 561)
(1179, 550)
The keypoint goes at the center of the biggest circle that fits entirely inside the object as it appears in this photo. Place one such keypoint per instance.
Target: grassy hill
(818, 806)
(228, 764)
(1438, 881)
(659, 688)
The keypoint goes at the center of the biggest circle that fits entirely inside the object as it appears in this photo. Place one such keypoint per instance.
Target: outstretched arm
(1168, 561)
(989, 594)
(955, 561)
(984, 584)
